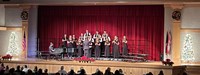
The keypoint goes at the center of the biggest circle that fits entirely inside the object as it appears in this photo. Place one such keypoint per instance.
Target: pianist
(51, 49)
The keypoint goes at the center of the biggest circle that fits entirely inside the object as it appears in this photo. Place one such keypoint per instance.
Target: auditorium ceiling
(98, 2)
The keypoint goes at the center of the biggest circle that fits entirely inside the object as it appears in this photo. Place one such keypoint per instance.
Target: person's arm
(113, 42)
(100, 39)
(94, 36)
(126, 41)
(108, 44)
(63, 40)
(51, 47)
(92, 40)
(117, 43)
(109, 38)
(89, 34)
(84, 36)
(68, 41)
(97, 44)
(123, 41)
(77, 43)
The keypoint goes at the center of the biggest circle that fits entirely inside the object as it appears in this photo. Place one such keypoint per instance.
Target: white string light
(187, 52)
(13, 47)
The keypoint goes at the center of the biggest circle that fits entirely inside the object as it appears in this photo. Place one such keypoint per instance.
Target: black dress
(107, 50)
(125, 49)
(116, 50)
(64, 42)
(97, 50)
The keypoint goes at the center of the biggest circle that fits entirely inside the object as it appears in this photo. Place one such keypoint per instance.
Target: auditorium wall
(2, 14)
(191, 17)
(32, 31)
(190, 24)
(12, 16)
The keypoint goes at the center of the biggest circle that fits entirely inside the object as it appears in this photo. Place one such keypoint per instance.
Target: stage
(129, 68)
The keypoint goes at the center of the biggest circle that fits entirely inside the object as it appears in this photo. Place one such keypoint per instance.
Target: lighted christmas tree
(13, 47)
(187, 52)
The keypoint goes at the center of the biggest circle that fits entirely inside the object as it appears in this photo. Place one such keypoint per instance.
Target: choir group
(86, 43)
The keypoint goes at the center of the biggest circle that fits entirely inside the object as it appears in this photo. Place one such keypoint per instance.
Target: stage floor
(99, 61)
(65, 62)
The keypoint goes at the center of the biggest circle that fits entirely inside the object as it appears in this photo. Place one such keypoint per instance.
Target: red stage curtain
(142, 24)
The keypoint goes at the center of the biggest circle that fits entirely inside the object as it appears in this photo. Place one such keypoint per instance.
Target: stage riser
(193, 70)
(131, 70)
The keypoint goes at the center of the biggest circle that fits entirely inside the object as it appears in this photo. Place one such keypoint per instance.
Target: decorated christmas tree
(13, 48)
(187, 52)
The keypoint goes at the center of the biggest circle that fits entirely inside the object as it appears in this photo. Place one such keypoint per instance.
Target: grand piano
(55, 53)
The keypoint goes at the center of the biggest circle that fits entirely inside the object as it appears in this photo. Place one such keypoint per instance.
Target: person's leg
(79, 52)
(89, 53)
(102, 47)
(69, 52)
(85, 53)
(95, 53)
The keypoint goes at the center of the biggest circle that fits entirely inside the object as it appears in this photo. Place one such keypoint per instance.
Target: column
(24, 16)
(176, 31)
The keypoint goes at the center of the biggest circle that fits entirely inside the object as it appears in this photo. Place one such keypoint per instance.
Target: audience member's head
(108, 68)
(12, 70)
(2, 67)
(117, 72)
(107, 71)
(35, 69)
(161, 73)
(2, 70)
(40, 71)
(81, 68)
(46, 71)
(120, 71)
(29, 72)
(7, 67)
(57, 73)
(25, 66)
(82, 72)
(150, 73)
(71, 72)
(21, 68)
(2, 64)
(18, 69)
(97, 70)
(184, 73)
(62, 68)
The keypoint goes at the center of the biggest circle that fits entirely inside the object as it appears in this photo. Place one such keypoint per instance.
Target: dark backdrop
(142, 24)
